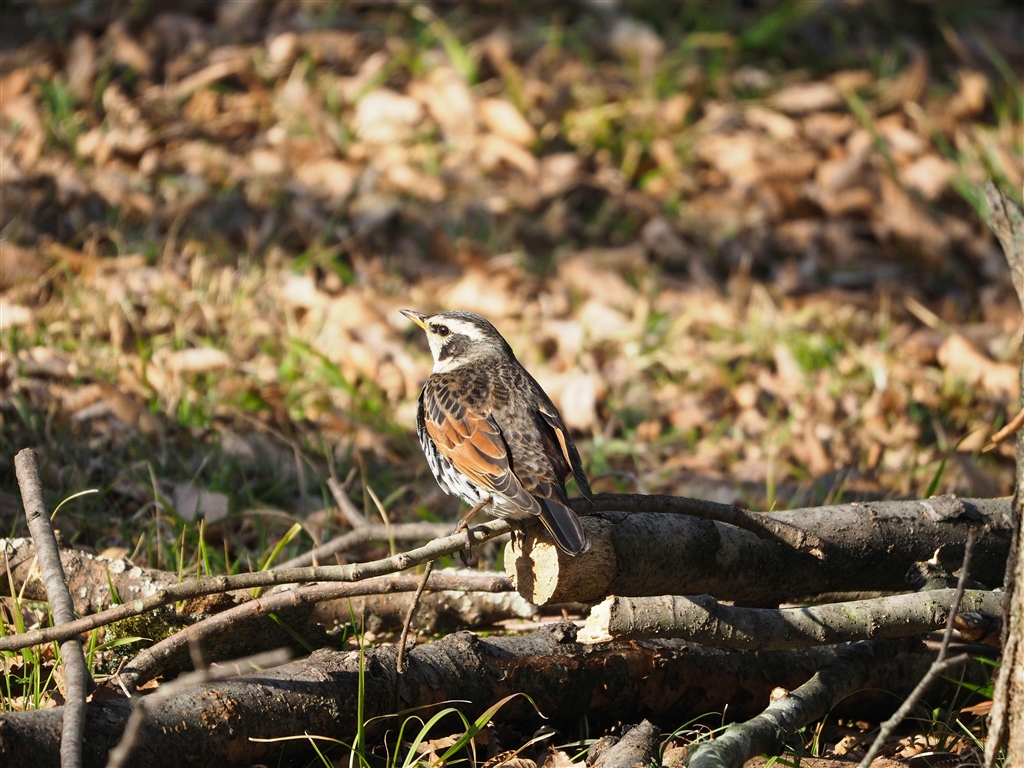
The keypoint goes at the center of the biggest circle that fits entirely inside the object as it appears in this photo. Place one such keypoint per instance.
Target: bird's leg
(463, 525)
(519, 533)
(464, 522)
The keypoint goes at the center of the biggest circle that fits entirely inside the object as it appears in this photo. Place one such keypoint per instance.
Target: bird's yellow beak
(417, 317)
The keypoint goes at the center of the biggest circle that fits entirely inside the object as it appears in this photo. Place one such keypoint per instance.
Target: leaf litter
(740, 272)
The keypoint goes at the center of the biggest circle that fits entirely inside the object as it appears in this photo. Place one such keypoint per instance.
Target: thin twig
(400, 661)
(118, 756)
(366, 534)
(148, 663)
(348, 510)
(216, 584)
(76, 672)
(940, 665)
(1006, 432)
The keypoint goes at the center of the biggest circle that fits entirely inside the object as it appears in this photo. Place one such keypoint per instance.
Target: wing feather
(475, 447)
(572, 456)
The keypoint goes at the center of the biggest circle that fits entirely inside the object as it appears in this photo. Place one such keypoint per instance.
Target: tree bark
(864, 547)
(670, 681)
(702, 619)
(1006, 721)
(767, 733)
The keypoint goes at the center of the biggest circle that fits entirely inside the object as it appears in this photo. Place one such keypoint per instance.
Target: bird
(491, 434)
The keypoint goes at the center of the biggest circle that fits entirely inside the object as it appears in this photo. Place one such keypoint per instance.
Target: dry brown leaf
(492, 150)
(126, 51)
(806, 97)
(197, 360)
(963, 360)
(901, 218)
(386, 117)
(81, 65)
(774, 123)
(481, 292)
(415, 183)
(735, 156)
(578, 401)
(559, 172)
(13, 315)
(327, 178)
(557, 759)
(19, 265)
(44, 361)
(970, 99)
(843, 172)
(930, 175)
(192, 502)
(828, 128)
(584, 277)
(503, 119)
(852, 80)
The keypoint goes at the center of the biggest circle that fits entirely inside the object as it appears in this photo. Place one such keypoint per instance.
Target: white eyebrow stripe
(469, 330)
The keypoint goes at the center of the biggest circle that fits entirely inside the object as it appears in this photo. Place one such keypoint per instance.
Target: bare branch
(234, 621)
(208, 586)
(366, 533)
(702, 619)
(76, 672)
(766, 733)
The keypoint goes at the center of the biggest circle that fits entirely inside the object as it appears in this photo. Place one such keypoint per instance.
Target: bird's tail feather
(564, 527)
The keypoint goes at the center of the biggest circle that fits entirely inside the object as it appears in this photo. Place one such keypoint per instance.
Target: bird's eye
(442, 330)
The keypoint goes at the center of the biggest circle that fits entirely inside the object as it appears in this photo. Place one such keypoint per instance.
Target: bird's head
(459, 337)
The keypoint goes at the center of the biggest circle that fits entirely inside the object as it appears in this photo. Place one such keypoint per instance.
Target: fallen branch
(90, 578)
(702, 619)
(141, 706)
(638, 746)
(766, 733)
(77, 679)
(226, 634)
(864, 548)
(94, 580)
(673, 681)
(215, 584)
(761, 525)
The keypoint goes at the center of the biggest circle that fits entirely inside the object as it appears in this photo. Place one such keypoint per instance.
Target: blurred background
(741, 244)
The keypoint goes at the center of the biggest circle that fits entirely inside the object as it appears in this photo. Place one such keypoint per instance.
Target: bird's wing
(572, 456)
(475, 447)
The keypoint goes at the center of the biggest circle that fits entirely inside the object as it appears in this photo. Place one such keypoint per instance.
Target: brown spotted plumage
(490, 434)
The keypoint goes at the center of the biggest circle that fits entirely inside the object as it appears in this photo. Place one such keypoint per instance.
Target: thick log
(671, 681)
(864, 547)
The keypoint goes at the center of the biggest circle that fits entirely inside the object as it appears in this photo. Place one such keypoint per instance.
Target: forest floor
(741, 245)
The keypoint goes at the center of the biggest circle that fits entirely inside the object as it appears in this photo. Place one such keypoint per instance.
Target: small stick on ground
(76, 673)
(400, 661)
